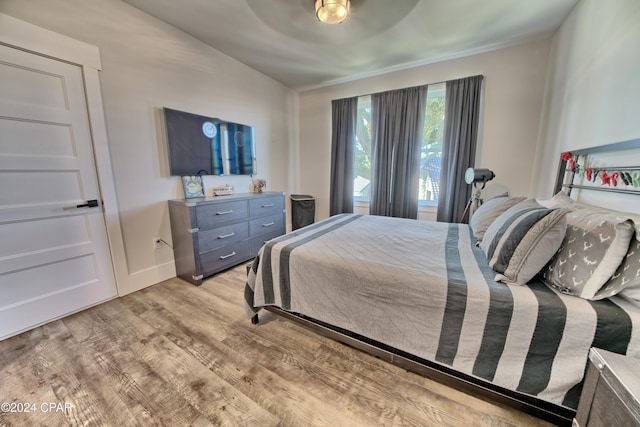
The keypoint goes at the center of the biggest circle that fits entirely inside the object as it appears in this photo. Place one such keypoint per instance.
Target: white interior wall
(512, 103)
(593, 88)
(592, 97)
(147, 65)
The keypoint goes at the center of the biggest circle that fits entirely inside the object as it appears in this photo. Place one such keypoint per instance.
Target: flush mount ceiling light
(332, 11)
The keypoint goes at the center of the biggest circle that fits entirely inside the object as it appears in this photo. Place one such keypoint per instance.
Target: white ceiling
(284, 40)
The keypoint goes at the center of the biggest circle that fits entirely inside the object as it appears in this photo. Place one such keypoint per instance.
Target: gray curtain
(462, 108)
(344, 116)
(397, 121)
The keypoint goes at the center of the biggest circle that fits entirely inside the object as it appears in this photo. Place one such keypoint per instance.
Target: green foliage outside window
(363, 139)
(431, 152)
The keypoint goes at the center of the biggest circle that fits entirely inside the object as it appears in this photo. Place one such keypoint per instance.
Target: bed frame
(556, 414)
(443, 374)
(566, 179)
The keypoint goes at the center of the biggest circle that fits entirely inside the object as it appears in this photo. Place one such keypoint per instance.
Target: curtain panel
(344, 115)
(397, 120)
(462, 107)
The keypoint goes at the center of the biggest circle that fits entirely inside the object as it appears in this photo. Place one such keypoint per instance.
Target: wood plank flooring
(175, 354)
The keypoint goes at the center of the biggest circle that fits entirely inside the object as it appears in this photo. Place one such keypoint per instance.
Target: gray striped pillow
(522, 240)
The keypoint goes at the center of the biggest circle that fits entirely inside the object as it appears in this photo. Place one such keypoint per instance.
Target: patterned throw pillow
(522, 240)
(591, 252)
(488, 212)
(626, 279)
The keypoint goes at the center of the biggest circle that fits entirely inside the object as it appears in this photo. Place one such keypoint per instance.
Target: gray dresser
(213, 234)
(611, 391)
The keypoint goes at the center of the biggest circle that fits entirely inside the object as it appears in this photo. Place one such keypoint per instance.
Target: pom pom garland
(607, 177)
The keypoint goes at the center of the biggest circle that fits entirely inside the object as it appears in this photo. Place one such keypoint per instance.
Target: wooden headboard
(617, 178)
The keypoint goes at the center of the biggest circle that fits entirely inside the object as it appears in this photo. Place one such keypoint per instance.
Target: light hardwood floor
(177, 354)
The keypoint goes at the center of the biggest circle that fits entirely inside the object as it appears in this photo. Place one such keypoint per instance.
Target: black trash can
(303, 210)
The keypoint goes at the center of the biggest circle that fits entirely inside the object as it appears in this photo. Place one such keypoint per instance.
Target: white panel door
(54, 256)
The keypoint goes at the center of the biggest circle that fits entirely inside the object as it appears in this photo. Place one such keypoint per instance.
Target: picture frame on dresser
(212, 234)
(192, 186)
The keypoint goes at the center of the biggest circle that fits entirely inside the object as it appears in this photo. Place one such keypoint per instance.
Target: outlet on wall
(157, 243)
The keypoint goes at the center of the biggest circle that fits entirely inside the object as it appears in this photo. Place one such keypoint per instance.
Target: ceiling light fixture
(332, 11)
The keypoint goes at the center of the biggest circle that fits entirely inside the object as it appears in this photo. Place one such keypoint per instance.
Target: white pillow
(561, 200)
(488, 212)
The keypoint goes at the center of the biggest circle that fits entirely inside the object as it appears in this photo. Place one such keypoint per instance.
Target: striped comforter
(425, 288)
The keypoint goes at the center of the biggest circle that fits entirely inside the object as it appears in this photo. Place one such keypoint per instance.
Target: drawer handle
(267, 205)
(224, 212)
(227, 256)
(269, 224)
(224, 236)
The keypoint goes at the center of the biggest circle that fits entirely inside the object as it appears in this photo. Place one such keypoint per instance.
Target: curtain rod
(426, 84)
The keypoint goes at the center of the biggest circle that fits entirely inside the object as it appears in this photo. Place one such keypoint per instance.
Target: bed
(436, 299)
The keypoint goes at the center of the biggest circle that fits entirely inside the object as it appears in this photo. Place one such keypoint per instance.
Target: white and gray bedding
(425, 288)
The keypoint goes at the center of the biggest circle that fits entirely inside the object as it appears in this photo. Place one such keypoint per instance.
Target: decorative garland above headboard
(613, 178)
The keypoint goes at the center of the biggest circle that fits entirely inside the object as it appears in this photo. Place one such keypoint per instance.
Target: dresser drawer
(212, 234)
(255, 243)
(266, 224)
(611, 391)
(612, 409)
(265, 206)
(222, 236)
(225, 257)
(214, 215)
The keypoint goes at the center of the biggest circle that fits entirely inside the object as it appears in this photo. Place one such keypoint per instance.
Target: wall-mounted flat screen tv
(199, 145)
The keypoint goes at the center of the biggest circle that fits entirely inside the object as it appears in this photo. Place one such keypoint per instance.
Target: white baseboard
(145, 278)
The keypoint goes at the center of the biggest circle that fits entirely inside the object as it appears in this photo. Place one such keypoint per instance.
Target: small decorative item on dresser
(192, 185)
(226, 190)
(259, 185)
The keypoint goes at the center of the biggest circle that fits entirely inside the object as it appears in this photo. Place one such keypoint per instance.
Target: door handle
(89, 204)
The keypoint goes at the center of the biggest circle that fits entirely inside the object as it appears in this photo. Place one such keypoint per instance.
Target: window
(430, 154)
(362, 155)
(431, 151)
